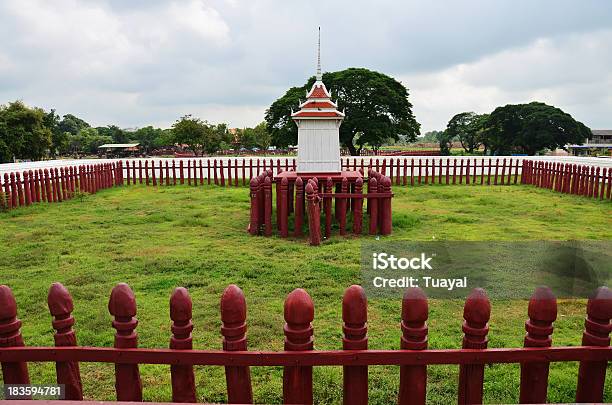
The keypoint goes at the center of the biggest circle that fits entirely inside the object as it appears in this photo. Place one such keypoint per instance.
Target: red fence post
(215, 173)
(183, 380)
(233, 329)
(327, 206)
(10, 336)
(61, 306)
(222, 172)
(355, 337)
(283, 208)
(299, 207)
(146, 168)
(358, 207)
(373, 203)
(539, 327)
(385, 207)
(173, 172)
(413, 379)
(314, 216)
(127, 167)
(7, 191)
(19, 189)
(62, 179)
(229, 172)
(57, 192)
(299, 314)
(26, 186)
(48, 192)
(342, 203)
(254, 224)
(267, 206)
(122, 305)
(476, 312)
(597, 327)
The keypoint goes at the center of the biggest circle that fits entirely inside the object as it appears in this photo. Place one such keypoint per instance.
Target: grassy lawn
(156, 239)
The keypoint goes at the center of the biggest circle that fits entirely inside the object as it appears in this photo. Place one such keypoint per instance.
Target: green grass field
(156, 239)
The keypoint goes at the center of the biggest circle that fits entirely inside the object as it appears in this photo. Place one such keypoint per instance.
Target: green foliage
(200, 136)
(72, 124)
(530, 128)
(23, 134)
(445, 140)
(114, 133)
(148, 138)
(430, 137)
(376, 106)
(252, 138)
(468, 127)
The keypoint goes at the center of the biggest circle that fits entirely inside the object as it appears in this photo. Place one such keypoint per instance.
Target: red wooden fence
(299, 355)
(55, 185)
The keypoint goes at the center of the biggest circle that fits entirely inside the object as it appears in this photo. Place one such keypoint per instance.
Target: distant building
(600, 144)
(119, 149)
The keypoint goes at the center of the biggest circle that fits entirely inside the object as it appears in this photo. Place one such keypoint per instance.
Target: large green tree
(468, 127)
(376, 106)
(258, 137)
(23, 134)
(148, 137)
(530, 128)
(200, 136)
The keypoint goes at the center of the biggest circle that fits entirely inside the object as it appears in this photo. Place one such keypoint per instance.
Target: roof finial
(319, 75)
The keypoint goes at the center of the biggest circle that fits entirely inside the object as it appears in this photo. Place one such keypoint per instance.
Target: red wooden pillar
(208, 176)
(57, 192)
(139, 171)
(355, 337)
(236, 172)
(404, 180)
(413, 379)
(595, 193)
(385, 207)
(284, 207)
(373, 204)
(7, 191)
(215, 172)
(412, 171)
(233, 329)
(358, 207)
(440, 171)
(489, 172)
(299, 313)
(73, 186)
(597, 327)
(127, 167)
(314, 216)
(26, 186)
(62, 179)
(420, 170)
(299, 207)
(146, 169)
(609, 188)
(254, 224)
(122, 305)
(267, 206)
(482, 171)
(461, 171)
(516, 170)
(173, 172)
(467, 171)
(503, 172)
(37, 185)
(183, 380)
(476, 312)
(167, 173)
(341, 203)
(222, 172)
(61, 307)
(327, 206)
(48, 192)
(539, 327)
(229, 172)
(182, 172)
(10, 336)
(602, 186)
(19, 189)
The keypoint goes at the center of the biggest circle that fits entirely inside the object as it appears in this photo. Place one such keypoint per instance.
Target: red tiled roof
(317, 114)
(318, 104)
(318, 92)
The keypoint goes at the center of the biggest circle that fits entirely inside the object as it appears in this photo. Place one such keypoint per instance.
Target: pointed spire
(319, 75)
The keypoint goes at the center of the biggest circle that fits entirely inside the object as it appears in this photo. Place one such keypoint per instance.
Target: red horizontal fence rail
(300, 356)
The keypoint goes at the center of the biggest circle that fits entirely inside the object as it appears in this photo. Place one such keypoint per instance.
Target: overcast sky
(141, 62)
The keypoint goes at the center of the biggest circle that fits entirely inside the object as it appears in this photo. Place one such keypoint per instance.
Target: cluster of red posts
(314, 195)
(299, 356)
(569, 178)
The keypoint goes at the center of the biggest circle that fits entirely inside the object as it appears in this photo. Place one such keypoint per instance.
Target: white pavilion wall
(318, 146)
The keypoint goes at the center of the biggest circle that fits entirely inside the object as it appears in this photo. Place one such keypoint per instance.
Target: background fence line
(299, 355)
(57, 184)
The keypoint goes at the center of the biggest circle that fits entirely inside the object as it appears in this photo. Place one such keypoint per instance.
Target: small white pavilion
(318, 122)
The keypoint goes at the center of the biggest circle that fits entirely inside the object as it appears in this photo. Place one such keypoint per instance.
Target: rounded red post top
(542, 305)
(46, 171)
(315, 180)
(12, 176)
(8, 305)
(414, 305)
(355, 305)
(269, 172)
(267, 181)
(180, 305)
(386, 181)
(6, 176)
(373, 182)
(233, 305)
(254, 182)
(599, 305)
(477, 307)
(299, 308)
(309, 188)
(122, 302)
(359, 181)
(299, 182)
(59, 300)
(25, 174)
(284, 181)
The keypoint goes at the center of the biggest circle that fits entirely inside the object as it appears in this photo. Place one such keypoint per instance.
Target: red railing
(299, 355)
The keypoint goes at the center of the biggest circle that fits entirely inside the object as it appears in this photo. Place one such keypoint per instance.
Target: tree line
(31, 133)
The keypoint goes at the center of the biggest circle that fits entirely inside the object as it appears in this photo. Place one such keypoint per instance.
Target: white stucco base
(318, 146)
